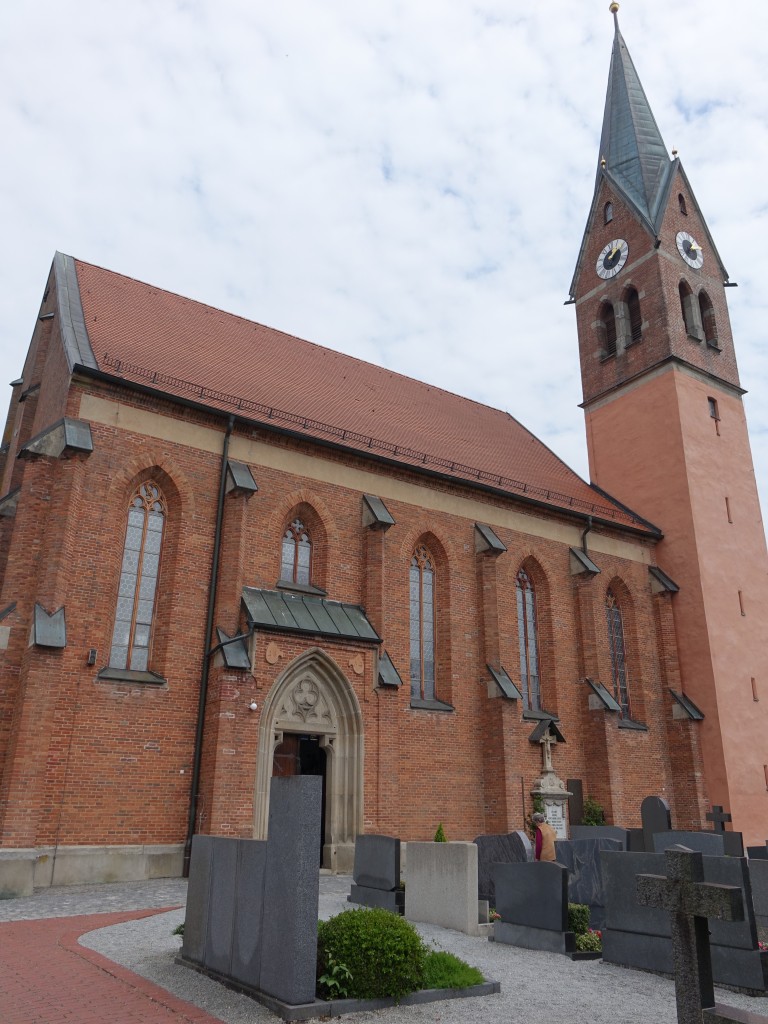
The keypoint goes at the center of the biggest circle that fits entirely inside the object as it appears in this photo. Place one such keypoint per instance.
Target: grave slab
(514, 848)
(582, 858)
(656, 817)
(221, 910)
(363, 896)
(198, 895)
(758, 876)
(533, 902)
(291, 889)
(442, 885)
(249, 911)
(621, 835)
(709, 843)
(377, 862)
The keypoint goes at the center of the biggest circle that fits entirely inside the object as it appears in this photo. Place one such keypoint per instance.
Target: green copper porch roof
(284, 611)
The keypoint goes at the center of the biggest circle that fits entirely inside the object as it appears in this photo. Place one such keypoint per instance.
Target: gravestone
(514, 848)
(758, 852)
(532, 899)
(582, 859)
(621, 835)
(734, 844)
(709, 843)
(689, 902)
(575, 801)
(252, 904)
(719, 817)
(442, 885)
(376, 874)
(656, 817)
(639, 936)
(758, 877)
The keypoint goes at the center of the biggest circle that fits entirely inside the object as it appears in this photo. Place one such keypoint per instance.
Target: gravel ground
(539, 988)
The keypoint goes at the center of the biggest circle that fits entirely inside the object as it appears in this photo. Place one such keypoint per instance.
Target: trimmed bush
(578, 918)
(382, 951)
(440, 834)
(444, 970)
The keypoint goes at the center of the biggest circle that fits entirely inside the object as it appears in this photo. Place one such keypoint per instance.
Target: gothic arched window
(422, 624)
(296, 556)
(686, 308)
(618, 652)
(527, 633)
(707, 311)
(681, 204)
(608, 324)
(608, 213)
(132, 635)
(635, 316)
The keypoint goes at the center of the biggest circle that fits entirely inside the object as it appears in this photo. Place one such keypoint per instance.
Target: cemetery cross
(718, 817)
(690, 901)
(547, 742)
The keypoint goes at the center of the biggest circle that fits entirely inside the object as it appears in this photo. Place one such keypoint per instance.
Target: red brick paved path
(46, 977)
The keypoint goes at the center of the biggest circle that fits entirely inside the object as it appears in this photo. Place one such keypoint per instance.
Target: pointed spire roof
(636, 159)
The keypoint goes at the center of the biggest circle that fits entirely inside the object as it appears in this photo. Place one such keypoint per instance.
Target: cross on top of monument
(690, 901)
(718, 817)
(547, 741)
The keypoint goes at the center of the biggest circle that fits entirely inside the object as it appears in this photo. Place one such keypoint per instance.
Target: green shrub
(593, 813)
(578, 918)
(440, 834)
(444, 970)
(590, 941)
(334, 984)
(382, 951)
(179, 929)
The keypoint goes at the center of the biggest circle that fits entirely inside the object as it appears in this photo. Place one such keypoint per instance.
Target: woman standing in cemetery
(545, 838)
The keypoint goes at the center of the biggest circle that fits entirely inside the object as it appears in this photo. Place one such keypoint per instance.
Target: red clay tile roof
(192, 351)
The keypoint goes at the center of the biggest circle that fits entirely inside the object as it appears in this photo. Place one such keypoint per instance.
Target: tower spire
(636, 159)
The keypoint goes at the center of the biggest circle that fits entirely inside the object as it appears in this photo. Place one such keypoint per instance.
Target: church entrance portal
(311, 725)
(302, 755)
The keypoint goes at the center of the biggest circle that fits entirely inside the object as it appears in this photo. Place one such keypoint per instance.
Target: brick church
(227, 553)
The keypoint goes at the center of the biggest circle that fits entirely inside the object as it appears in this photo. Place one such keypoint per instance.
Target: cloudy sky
(406, 182)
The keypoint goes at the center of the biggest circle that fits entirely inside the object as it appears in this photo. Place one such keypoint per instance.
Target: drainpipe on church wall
(584, 535)
(196, 764)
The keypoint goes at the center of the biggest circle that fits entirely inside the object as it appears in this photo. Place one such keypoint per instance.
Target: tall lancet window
(137, 596)
(296, 560)
(422, 624)
(618, 652)
(529, 644)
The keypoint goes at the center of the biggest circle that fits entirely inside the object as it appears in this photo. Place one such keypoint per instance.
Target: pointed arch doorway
(312, 724)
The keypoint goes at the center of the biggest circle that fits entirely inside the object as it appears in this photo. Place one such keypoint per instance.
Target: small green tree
(440, 836)
(593, 813)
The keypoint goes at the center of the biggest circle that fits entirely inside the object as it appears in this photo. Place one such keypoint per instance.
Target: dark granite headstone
(575, 801)
(377, 862)
(532, 899)
(602, 832)
(291, 889)
(221, 918)
(656, 817)
(640, 936)
(758, 852)
(710, 843)
(198, 895)
(585, 872)
(635, 840)
(514, 848)
(734, 844)
(249, 912)
(758, 877)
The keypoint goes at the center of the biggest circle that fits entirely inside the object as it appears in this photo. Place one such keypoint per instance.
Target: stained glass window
(618, 654)
(422, 624)
(528, 640)
(137, 593)
(296, 560)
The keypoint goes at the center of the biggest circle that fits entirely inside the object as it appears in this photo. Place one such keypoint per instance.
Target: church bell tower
(667, 434)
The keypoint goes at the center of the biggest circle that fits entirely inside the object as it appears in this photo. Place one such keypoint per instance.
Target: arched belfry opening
(312, 723)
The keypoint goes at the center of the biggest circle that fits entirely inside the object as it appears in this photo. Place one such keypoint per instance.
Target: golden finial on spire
(674, 154)
(614, 8)
(602, 162)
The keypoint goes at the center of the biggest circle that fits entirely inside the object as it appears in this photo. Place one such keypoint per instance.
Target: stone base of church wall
(21, 870)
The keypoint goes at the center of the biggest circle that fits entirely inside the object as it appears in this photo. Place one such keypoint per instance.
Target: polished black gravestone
(514, 848)
(758, 876)
(656, 817)
(639, 936)
(252, 904)
(532, 900)
(709, 843)
(758, 852)
(582, 858)
(575, 801)
(621, 835)
(690, 901)
(376, 874)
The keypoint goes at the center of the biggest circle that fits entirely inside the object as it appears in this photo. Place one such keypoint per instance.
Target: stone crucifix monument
(549, 787)
(690, 901)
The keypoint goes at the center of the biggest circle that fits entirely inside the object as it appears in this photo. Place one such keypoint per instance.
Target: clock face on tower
(689, 249)
(612, 259)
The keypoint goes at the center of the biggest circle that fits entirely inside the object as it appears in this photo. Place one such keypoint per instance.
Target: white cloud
(405, 182)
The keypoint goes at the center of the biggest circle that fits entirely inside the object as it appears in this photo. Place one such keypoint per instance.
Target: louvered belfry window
(296, 560)
(527, 633)
(137, 595)
(618, 652)
(422, 624)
